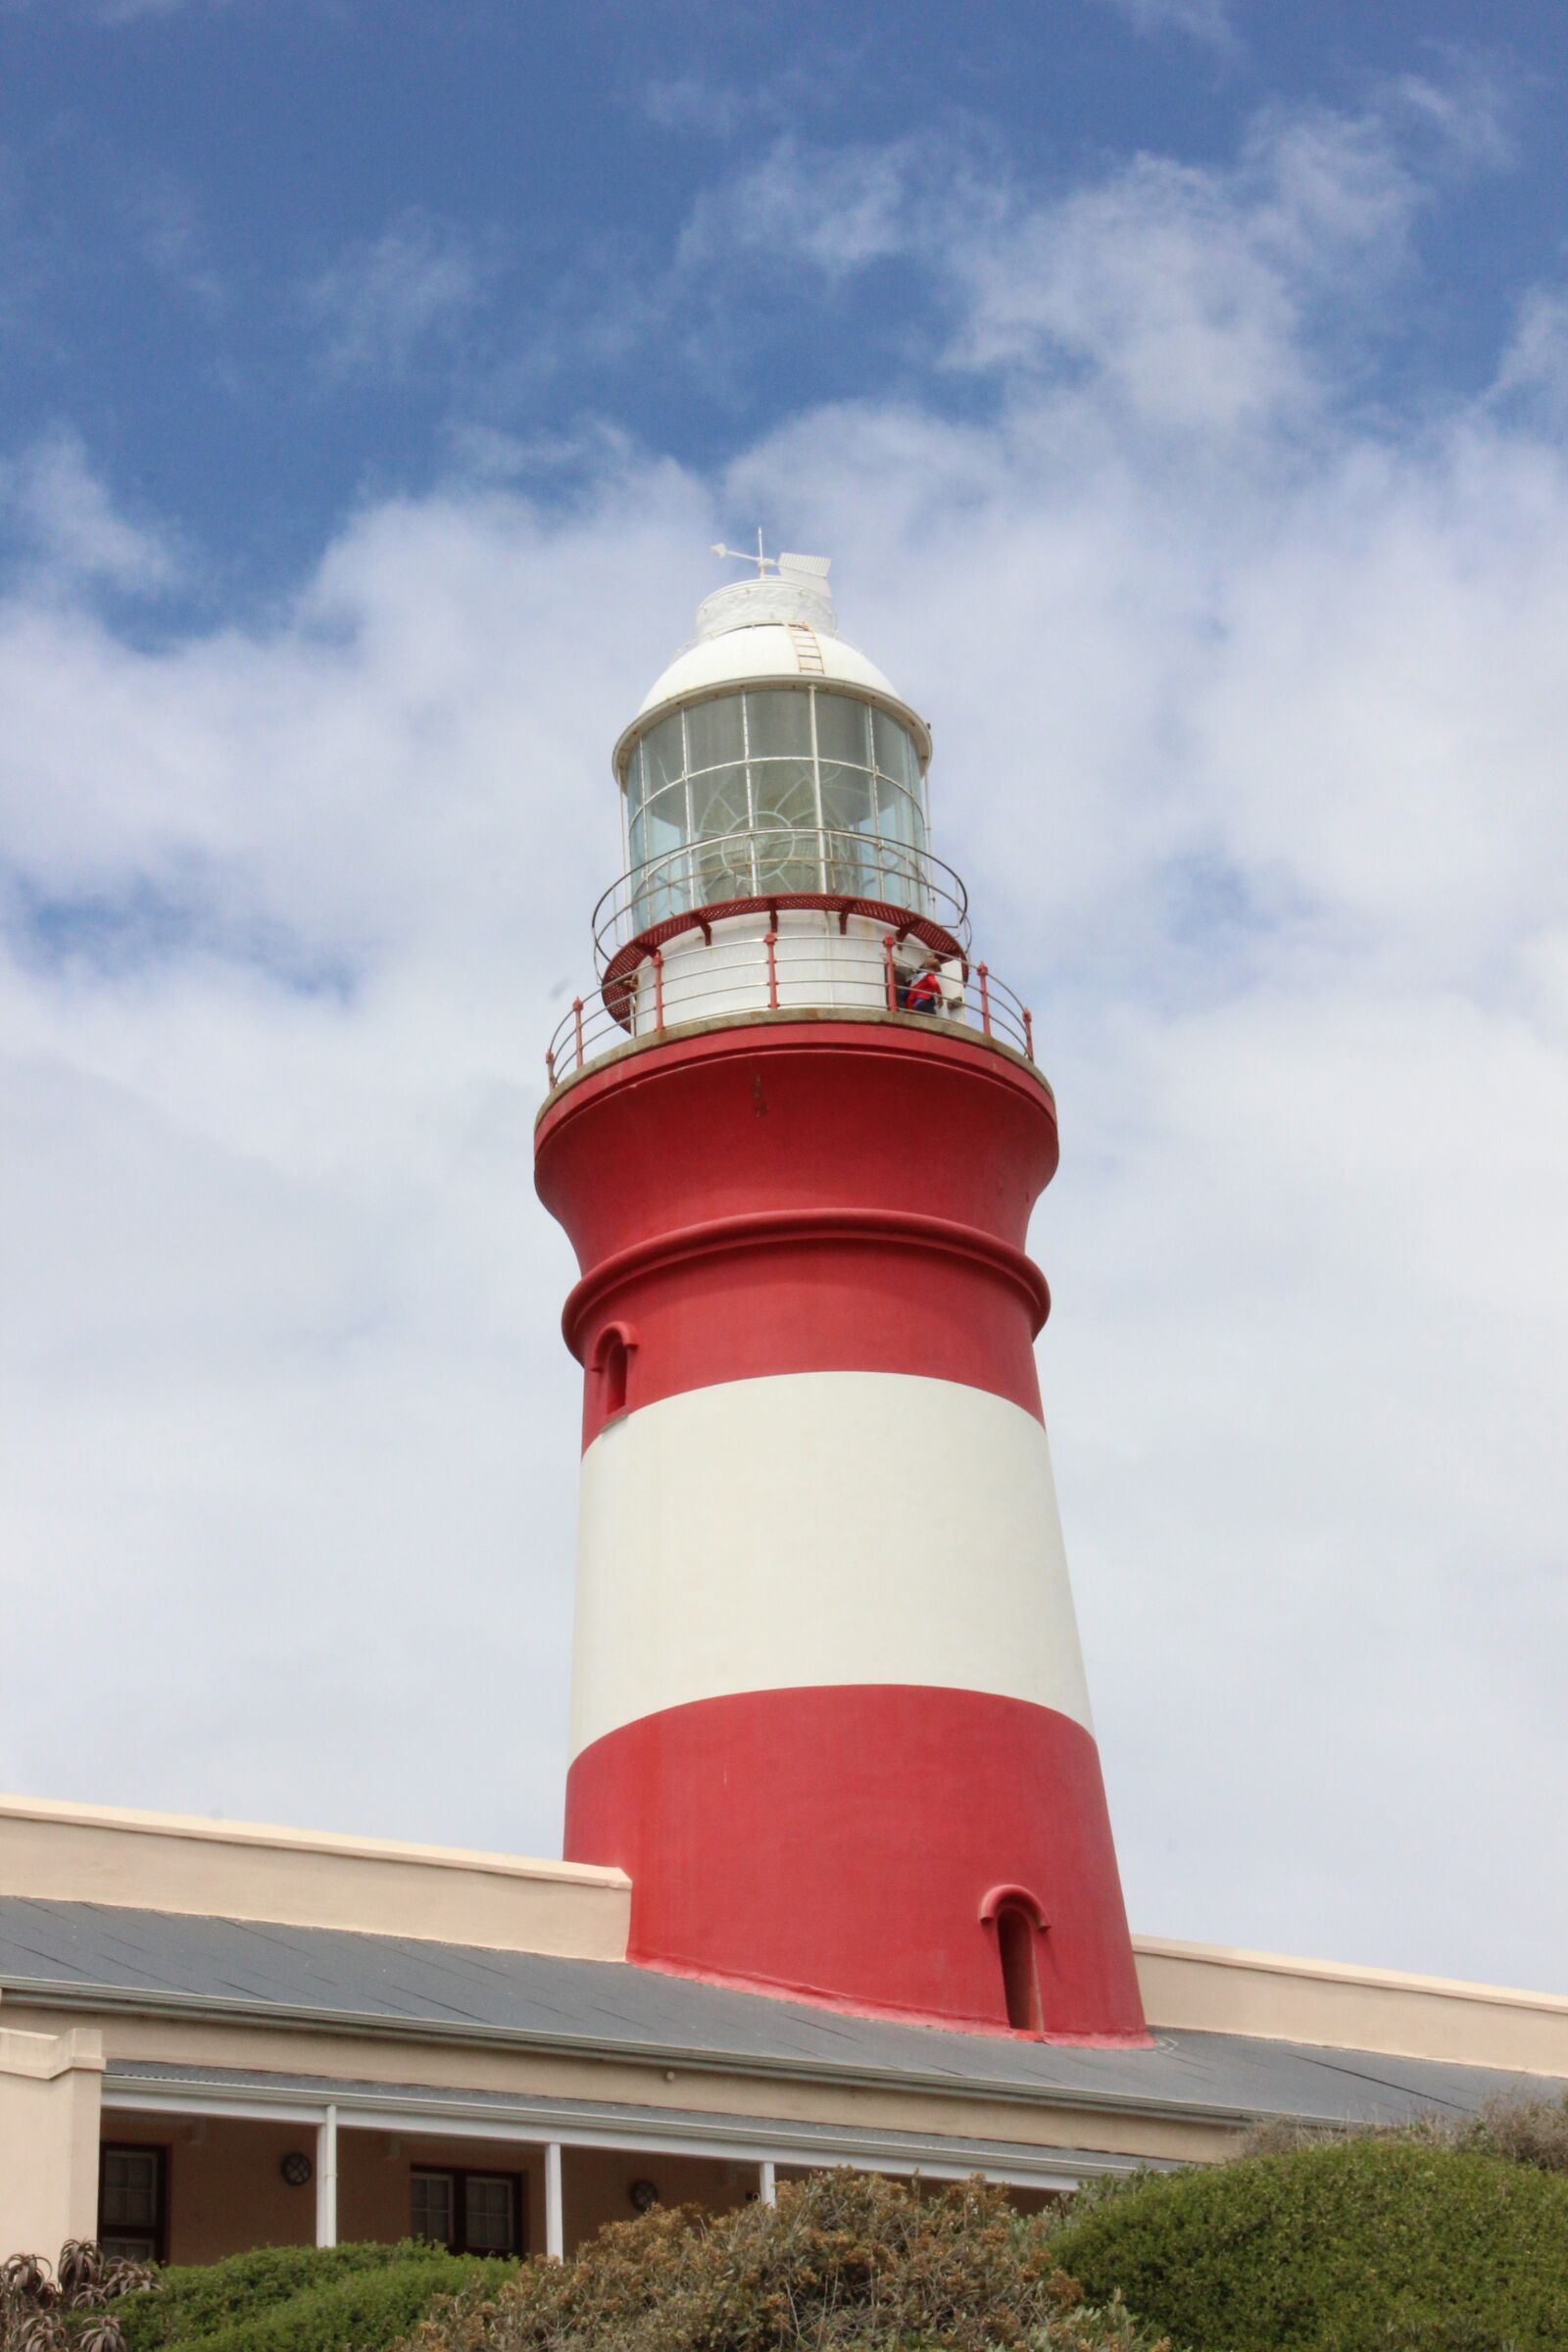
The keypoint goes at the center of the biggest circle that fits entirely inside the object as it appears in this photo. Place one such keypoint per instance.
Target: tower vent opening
(612, 1361)
(1019, 1947)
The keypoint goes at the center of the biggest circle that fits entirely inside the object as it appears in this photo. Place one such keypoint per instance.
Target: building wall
(1212, 1988)
(597, 2185)
(304, 1877)
(49, 2103)
(226, 2194)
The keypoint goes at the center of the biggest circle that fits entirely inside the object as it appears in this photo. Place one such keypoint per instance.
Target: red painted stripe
(840, 1844)
(775, 1229)
(821, 1197)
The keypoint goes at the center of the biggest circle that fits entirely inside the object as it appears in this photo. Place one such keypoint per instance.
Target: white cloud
(62, 513)
(137, 12)
(1533, 367)
(1160, 285)
(686, 102)
(1201, 298)
(1471, 105)
(382, 301)
(834, 209)
(1200, 20)
(1251, 757)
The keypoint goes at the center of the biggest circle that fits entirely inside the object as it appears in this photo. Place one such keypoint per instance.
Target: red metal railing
(784, 971)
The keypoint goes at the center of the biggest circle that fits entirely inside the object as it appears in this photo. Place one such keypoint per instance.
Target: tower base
(743, 1823)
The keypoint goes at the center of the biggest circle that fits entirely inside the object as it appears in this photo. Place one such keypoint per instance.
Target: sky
(1181, 389)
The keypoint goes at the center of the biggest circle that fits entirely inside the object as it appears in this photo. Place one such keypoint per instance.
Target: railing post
(1028, 1034)
(983, 975)
(550, 1063)
(889, 942)
(576, 1026)
(657, 959)
(771, 945)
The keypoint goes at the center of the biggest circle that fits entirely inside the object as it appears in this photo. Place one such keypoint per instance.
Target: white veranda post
(555, 2214)
(326, 2179)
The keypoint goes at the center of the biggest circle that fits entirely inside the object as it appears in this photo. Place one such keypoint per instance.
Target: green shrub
(1533, 2132)
(354, 2299)
(1396, 2243)
(844, 2263)
(197, 2300)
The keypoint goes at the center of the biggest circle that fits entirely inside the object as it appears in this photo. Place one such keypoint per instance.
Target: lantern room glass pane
(849, 808)
(895, 752)
(725, 868)
(784, 792)
(719, 802)
(847, 870)
(898, 815)
(843, 729)
(661, 832)
(634, 779)
(663, 821)
(848, 804)
(788, 838)
(779, 724)
(663, 753)
(715, 732)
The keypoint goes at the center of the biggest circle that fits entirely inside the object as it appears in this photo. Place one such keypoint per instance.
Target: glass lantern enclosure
(775, 790)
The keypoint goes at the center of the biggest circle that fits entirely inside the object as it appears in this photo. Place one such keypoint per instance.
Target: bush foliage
(1395, 2242)
(1533, 2132)
(844, 2260)
(356, 2298)
(46, 2306)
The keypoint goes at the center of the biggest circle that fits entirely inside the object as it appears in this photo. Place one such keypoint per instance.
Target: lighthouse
(828, 1701)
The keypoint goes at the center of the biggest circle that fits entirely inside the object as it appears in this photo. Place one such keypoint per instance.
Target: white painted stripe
(819, 1528)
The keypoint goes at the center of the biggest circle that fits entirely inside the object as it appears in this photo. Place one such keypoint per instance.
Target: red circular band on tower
(816, 1196)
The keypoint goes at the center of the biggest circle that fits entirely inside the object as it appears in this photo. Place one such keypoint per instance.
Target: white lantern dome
(772, 630)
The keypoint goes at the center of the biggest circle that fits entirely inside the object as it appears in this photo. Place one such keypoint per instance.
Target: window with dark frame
(468, 2212)
(132, 2201)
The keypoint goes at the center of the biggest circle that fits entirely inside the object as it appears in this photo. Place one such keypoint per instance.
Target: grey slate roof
(99, 1956)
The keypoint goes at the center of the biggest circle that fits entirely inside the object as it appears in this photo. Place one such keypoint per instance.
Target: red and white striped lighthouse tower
(828, 1702)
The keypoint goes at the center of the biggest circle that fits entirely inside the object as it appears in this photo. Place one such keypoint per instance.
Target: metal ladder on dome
(808, 653)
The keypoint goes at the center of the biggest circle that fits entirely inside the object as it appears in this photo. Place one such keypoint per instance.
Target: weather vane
(740, 554)
(800, 570)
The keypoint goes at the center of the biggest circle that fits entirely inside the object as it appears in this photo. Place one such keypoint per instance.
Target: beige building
(215, 2037)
